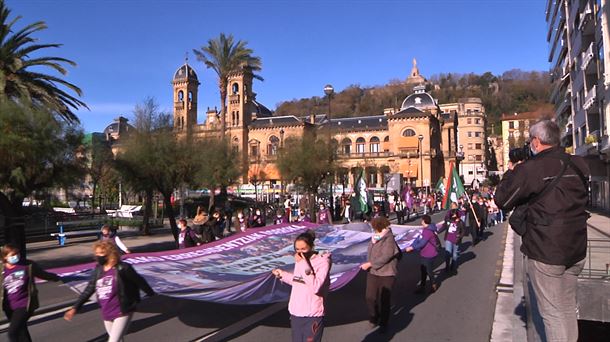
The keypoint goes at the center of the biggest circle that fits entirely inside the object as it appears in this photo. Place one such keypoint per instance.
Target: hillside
(513, 91)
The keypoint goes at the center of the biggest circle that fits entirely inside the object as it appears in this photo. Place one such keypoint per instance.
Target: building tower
(239, 112)
(185, 85)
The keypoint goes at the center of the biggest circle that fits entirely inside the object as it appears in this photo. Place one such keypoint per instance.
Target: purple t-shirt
(323, 217)
(429, 249)
(16, 286)
(452, 232)
(108, 295)
(181, 237)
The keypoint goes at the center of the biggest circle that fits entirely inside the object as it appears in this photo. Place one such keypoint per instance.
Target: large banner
(237, 269)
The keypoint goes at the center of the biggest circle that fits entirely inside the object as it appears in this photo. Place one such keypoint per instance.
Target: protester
(382, 260)
(19, 297)
(455, 229)
(310, 283)
(399, 209)
(117, 286)
(206, 230)
(553, 186)
(217, 224)
(475, 214)
(288, 207)
(258, 219)
(427, 247)
(280, 217)
(323, 216)
(107, 234)
(200, 220)
(303, 216)
(241, 224)
(186, 237)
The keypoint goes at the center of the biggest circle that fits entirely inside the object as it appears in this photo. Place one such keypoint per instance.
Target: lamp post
(459, 156)
(329, 91)
(421, 160)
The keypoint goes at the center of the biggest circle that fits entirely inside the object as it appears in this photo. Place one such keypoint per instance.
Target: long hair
(108, 248)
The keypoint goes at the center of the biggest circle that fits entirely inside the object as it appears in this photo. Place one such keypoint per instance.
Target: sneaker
(434, 288)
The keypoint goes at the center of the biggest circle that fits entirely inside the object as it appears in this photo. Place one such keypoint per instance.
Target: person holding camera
(549, 192)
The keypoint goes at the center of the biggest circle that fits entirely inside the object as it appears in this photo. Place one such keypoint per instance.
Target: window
(470, 134)
(477, 134)
(469, 121)
(470, 172)
(470, 157)
(477, 121)
(372, 177)
(190, 96)
(374, 145)
(478, 157)
(346, 146)
(274, 142)
(254, 150)
(478, 147)
(180, 95)
(470, 146)
(511, 124)
(235, 88)
(408, 133)
(360, 145)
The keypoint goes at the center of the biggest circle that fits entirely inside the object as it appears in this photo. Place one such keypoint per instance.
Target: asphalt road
(461, 310)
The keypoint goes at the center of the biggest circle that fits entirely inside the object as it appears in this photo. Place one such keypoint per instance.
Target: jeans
(452, 250)
(307, 329)
(427, 270)
(117, 328)
(555, 291)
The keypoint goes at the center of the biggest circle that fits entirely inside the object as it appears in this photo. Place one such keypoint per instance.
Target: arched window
(190, 96)
(346, 146)
(360, 145)
(235, 145)
(386, 139)
(272, 146)
(235, 89)
(374, 145)
(408, 133)
(180, 95)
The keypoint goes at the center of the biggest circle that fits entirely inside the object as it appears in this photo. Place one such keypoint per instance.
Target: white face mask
(13, 259)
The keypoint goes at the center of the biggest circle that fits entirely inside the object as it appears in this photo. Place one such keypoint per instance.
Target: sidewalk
(513, 320)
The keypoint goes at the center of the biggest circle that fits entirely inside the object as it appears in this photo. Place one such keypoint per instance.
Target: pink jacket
(309, 291)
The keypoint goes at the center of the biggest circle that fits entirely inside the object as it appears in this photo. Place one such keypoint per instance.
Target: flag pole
(472, 209)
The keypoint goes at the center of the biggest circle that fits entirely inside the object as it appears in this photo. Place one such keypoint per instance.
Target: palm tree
(225, 56)
(19, 84)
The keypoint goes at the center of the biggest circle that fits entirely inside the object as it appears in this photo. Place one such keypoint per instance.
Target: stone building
(515, 130)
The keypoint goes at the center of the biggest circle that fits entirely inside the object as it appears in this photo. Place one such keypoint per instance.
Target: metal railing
(598, 260)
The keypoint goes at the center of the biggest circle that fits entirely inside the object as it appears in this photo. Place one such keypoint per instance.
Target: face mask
(533, 150)
(102, 260)
(13, 259)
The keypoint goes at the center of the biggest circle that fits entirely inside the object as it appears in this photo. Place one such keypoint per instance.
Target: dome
(185, 70)
(419, 99)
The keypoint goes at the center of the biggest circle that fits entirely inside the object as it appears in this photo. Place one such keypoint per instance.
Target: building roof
(366, 123)
(276, 121)
(538, 114)
(410, 113)
(184, 72)
(261, 110)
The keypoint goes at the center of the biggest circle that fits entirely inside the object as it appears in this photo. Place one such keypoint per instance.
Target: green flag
(440, 185)
(455, 188)
(362, 193)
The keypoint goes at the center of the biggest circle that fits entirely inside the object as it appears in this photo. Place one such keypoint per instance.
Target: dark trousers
(378, 298)
(18, 326)
(427, 270)
(474, 232)
(306, 329)
(400, 216)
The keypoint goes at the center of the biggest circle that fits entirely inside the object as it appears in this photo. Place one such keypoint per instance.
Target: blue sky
(128, 50)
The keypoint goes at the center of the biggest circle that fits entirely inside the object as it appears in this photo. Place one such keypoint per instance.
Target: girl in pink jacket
(310, 282)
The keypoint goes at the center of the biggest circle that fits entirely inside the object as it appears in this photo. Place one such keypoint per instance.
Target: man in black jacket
(555, 240)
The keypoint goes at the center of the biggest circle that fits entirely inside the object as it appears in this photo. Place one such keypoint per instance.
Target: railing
(598, 260)
(233, 99)
(365, 155)
(590, 98)
(587, 56)
(585, 16)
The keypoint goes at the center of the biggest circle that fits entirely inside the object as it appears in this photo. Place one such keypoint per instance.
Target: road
(462, 309)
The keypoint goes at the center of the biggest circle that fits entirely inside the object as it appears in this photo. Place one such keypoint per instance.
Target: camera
(520, 153)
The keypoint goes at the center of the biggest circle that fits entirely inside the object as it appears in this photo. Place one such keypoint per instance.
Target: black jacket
(129, 284)
(557, 223)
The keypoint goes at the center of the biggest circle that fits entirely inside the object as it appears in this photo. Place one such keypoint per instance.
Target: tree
(225, 56)
(213, 164)
(153, 158)
(100, 163)
(307, 161)
(38, 153)
(19, 83)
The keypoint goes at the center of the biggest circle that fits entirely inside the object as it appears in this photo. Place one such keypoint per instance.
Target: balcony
(409, 153)
(586, 19)
(234, 99)
(384, 154)
(587, 56)
(179, 105)
(590, 98)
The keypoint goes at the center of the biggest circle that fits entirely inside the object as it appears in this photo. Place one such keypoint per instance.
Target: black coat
(129, 284)
(557, 223)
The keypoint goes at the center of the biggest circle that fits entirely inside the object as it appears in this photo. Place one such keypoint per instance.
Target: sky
(129, 50)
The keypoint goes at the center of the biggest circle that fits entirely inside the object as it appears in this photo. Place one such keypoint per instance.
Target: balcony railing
(587, 56)
(179, 104)
(233, 99)
(585, 16)
(590, 98)
(384, 154)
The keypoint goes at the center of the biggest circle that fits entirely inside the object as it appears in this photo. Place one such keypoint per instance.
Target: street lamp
(421, 159)
(329, 91)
